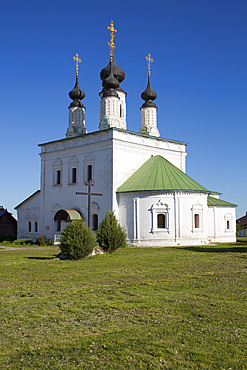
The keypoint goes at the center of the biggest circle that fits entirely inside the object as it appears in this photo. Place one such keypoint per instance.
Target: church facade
(141, 176)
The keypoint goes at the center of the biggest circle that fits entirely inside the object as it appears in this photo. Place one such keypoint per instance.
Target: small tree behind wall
(77, 240)
(111, 235)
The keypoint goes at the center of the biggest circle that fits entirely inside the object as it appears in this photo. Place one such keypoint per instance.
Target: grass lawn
(138, 308)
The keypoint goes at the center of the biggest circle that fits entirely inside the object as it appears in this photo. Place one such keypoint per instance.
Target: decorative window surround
(88, 161)
(158, 209)
(228, 222)
(73, 171)
(57, 178)
(197, 218)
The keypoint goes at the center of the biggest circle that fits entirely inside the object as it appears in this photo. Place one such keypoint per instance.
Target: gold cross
(111, 44)
(149, 60)
(77, 61)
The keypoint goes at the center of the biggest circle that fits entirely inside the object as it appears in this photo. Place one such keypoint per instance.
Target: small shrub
(23, 242)
(7, 238)
(111, 235)
(77, 240)
(40, 240)
(50, 242)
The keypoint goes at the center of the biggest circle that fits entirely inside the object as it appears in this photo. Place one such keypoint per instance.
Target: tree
(77, 240)
(111, 235)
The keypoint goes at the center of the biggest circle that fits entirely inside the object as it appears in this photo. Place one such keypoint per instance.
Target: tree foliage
(111, 235)
(77, 240)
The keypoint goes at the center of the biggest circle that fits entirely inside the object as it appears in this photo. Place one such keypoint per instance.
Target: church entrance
(61, 219)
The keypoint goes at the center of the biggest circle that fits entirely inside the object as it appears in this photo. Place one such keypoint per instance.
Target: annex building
(139, 175)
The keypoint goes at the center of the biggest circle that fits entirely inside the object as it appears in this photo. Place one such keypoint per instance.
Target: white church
(139, 175)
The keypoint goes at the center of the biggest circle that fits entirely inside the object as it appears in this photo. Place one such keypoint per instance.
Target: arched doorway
(61, 219)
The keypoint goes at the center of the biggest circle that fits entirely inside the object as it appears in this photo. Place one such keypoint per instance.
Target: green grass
(138, 308)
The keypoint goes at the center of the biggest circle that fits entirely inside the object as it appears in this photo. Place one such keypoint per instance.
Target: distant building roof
(158, 174)
(242, 221)
(5, 211)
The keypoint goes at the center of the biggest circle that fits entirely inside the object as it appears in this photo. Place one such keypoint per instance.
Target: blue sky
(199, 73)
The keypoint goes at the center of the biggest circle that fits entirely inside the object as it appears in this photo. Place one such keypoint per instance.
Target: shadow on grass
(41, 258)
(232, 248)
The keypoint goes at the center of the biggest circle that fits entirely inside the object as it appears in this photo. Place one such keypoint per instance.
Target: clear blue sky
(199, 73)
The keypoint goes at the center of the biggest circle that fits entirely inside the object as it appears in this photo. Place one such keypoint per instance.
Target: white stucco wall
(29, 211)
(139, 212)
(217, 224)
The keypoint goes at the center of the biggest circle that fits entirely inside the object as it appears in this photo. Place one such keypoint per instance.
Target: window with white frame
(57, 172)
(88, 168)
(228, 222)
(197, 217)
(160, 217)
(72, 170)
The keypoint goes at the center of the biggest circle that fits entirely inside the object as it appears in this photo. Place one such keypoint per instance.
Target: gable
(30, 198)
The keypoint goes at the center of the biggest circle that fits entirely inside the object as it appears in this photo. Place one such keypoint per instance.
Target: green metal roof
(215, 192)
(219, 203)
(159, 174)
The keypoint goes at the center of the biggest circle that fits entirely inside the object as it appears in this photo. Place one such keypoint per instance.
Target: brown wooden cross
(89, 184)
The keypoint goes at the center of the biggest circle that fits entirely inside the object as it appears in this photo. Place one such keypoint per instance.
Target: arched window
(196, 221)
(89, 172)
(57, 172)
(58, 179)
(228, 225)
(161, 221)
(74, 175)
(95, 221)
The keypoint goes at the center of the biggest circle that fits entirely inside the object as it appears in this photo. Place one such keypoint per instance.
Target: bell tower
(112, 104)
(148, 108)
(76, 108)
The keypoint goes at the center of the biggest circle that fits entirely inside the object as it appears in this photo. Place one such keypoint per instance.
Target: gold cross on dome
(111, 43)
(77, 61)
(149, 60)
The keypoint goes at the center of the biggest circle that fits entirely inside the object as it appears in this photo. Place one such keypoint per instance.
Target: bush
(111, 235)
(50, 242)
(41, 240)
(77, 240)
(7, 238)
(23, 242)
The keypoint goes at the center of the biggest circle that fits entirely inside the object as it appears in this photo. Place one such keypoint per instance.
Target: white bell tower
(76, 108)
(149, 109)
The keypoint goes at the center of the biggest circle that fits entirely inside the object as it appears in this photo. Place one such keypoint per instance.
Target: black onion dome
(117, 72)
(148, 95)
(76, 95)
(110, 84)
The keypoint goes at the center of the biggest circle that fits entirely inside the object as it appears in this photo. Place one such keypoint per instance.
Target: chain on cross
(149, 60)
(77, 61)
(111, 44)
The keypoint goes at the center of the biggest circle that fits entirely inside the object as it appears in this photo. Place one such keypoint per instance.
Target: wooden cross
(111, 44)
(77, 61)
(89, 184)
(149, 60)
